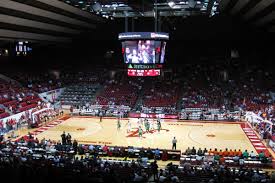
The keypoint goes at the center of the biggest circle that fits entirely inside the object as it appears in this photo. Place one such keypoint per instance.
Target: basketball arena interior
(127, 91)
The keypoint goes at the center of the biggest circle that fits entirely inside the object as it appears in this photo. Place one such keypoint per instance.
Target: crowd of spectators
(29, 119)
(156, 110)
(50, 80)
(101, 110)
(16, 98)
(32, 160)
(38, 82)
(266, 131)
(46, 115)
(230, 87)
(160, 94)
(226, 88)
(117, 92)
(228, 156)
(211, 85)
(213, 173)
(207, 165)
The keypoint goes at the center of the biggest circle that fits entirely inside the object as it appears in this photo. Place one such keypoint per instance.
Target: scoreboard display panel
(143, 72)
(144, 69)
(143, 47)
(144, 52)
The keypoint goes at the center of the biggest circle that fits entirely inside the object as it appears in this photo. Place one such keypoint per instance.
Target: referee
(100, 116)
(174, 142)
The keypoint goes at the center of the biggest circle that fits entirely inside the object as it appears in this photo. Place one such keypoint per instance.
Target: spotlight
(171, 3)
(96, 7)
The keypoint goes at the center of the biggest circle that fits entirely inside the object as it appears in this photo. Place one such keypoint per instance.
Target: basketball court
(88, 130)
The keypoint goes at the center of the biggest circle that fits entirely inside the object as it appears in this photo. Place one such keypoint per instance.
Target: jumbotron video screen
(143, 48)
(143, 52)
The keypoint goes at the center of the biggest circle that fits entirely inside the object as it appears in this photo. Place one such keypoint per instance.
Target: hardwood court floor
(198, 134)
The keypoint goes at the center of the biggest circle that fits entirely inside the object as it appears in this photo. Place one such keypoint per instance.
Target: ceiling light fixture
(96, 7)
(171, 4)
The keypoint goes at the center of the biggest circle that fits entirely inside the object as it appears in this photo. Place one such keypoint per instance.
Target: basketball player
(63, 138)
(140, 131)
(100, 116)
(158, 125)
(118, 124)
(129, 126)
(174, 143)
(147, 125)
(142, 121)
(139, 122)
(152, 123)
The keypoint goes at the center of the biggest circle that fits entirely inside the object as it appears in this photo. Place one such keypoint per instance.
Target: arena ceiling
(59, 21)
(146, 8)
(258, 13)
(43, 21)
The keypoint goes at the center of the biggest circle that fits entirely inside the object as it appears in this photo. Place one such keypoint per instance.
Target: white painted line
(40, 130)
(260, 148)
(254, 140)
(249, 134)
(51, 125)
(258, 144)
(252, 137)
(45, 128)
